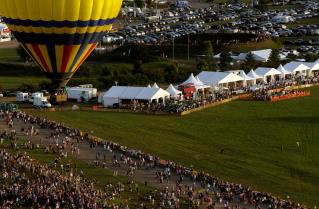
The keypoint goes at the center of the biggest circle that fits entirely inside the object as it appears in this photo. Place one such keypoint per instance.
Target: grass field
(9, 83)
(258, 139)
(9, 54)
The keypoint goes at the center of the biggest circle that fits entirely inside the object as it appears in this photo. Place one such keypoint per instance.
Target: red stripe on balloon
(40, 56)
(86, 56)
(66, 57)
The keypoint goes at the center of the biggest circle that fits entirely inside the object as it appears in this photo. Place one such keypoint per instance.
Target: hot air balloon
(59, 34)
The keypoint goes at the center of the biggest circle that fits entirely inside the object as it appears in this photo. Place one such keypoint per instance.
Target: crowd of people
(25, 182)
(216, 190)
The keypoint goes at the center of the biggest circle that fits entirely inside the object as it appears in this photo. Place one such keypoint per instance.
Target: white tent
(174, 93)
(317, 61)
(117, 93)
(150, 94)
(155, 86)
(112, 95)
(269, 74)
(259, 55)
(297, 67)
(255, 76)
(193, 81)
(149, 86)
(314, 66)
(219, 78)
(247, 79)
(283, 71)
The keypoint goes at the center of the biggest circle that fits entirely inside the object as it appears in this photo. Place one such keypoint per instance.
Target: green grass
(12, 83)
(252, 135)
(9, 54)
(250, 46)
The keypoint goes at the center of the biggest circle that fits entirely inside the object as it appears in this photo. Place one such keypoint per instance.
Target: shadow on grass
(295, 119)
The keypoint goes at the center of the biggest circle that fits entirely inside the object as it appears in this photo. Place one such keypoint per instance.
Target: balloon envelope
(59, 34)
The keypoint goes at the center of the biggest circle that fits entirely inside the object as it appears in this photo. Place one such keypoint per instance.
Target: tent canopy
(193, 81)
(312, 65)
(254, 75)
(139, 93)
(155, 86)
(265, 71)
(173, 91)
(245, 76)
(296, 67)
(283, 70)
(215, 78)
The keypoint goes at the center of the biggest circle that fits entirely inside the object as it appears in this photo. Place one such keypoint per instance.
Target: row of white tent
(208, 79)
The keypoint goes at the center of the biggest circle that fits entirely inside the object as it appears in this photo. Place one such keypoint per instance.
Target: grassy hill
(258, 139)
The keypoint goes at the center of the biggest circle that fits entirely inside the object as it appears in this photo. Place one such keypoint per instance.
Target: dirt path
(90, 155)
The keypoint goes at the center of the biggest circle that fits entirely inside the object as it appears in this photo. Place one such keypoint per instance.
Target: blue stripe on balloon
(51, 53)
(58, 39)
(58, 24)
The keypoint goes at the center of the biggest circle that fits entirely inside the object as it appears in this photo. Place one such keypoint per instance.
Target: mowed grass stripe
(254, 143)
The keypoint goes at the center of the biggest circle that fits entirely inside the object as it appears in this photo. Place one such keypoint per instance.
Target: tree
(311, 57)
(225, 60)
(209, 54)
(249, 63)
(202, 65)
(208, 49)
(27, 87)
(274, 57)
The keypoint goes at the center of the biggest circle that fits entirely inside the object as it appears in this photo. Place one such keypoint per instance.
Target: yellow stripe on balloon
(29, 46)
(46, 56)
(59, 57)
(74, 52)
(48, 10)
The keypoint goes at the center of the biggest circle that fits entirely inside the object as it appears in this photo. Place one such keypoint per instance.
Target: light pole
(173, 48)
(188, 47)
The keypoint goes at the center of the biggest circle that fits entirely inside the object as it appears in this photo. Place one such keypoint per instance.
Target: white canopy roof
(254, 75)
(283, 70)
(312, 65)
(152, 93)
(245, 76)
(317, 61)
(266, 71)
(155, 86)
(140, 93)
(172, 90)
(296, 67)
(216, 78)
(149, 86)
(197, 83)
(259, 55)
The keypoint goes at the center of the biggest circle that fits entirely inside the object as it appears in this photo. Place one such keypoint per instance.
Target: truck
(58, 98)
(82, 94)
(33, 95)
(41, 102)
(22, 97)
